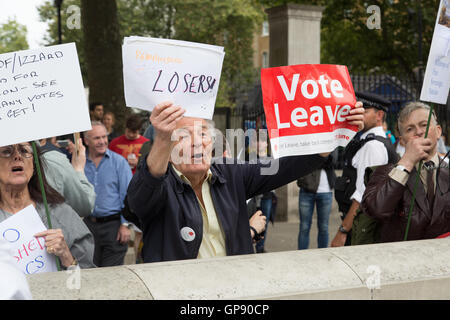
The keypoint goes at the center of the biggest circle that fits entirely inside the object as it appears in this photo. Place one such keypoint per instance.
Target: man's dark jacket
(388, 201)
(167, 204)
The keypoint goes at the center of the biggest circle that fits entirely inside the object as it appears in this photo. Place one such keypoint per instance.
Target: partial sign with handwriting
(436, 82)
(158, 70)
(41, 94)
(29, 253)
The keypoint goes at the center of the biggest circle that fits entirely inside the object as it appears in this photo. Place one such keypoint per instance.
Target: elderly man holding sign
(190, 208)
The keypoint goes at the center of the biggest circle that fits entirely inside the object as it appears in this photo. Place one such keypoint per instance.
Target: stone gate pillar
(294, 32)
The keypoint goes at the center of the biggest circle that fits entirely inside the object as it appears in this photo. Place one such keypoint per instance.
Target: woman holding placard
(68, 239)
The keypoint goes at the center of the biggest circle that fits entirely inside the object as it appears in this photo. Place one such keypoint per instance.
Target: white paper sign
(436, 82)
(158, 70)
(41, 94)
(29, 253)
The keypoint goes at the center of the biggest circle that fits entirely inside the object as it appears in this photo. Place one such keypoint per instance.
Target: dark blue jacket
(167, 204)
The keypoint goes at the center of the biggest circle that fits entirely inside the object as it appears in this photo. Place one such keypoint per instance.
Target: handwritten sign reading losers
(28, 252)
(41, 94)
(186, 73)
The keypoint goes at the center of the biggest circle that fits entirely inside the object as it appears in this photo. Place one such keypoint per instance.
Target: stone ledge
(407, 270)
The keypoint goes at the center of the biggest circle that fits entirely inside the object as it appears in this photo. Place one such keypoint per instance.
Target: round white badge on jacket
(188, 234)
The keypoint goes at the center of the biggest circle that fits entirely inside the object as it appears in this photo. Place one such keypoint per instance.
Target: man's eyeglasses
(25, 150)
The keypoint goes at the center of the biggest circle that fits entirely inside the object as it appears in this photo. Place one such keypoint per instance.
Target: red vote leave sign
(306, 107)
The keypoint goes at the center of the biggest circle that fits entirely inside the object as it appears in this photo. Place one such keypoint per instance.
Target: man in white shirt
(372, 153)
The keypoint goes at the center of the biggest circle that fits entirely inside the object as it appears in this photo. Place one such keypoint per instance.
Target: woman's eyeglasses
(25, 150)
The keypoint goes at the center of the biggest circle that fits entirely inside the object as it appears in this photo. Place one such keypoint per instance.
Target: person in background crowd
(178, 184)
(96, 111)
(68, 178)
(389, 134)
(108, 121)
(53, 144)
(110, 175)
(69, 239)
(390, 189)
(149, 133)
(129, 144)
(316, 190)
(263, 202)
(371, 149)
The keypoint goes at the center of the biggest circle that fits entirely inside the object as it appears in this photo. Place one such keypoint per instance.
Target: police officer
(370, 149)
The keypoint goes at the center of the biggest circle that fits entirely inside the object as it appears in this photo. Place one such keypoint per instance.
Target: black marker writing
(18, 76)
(154, 86)
(176, 85)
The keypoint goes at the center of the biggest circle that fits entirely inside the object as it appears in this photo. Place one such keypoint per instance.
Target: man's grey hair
(94, 123)
(211, 126)
(210, 123)
(409, 108)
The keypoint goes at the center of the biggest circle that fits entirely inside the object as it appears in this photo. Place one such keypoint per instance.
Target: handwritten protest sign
(436, 82)
(158, 70)
(41, 94)
(28, 252)
(306, 107)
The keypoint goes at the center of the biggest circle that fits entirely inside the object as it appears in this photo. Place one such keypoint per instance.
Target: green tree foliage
(48, 14)
(13, 36)
(393, 48)
(153, 18)
(231, 24)
(228, 23)
(346, 38)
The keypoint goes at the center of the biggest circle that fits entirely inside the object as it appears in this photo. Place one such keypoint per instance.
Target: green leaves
(346, 38)
(229, 23)
(13, 36)
(394, 48)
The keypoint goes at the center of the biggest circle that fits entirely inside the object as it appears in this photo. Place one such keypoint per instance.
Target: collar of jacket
(217, 176)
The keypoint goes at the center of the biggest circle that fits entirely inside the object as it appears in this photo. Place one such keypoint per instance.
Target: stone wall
(401, 270)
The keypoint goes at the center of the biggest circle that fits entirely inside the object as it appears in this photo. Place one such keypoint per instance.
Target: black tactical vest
(346, 184)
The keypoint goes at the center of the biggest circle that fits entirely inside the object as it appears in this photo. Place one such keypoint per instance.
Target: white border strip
(310, 143)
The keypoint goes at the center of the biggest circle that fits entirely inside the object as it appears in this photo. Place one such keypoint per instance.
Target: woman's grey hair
(409, 108)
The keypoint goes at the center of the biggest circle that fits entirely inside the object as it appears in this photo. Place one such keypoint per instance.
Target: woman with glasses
(69, 239)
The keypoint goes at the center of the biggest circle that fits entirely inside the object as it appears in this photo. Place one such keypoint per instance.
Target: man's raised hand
(164, 119)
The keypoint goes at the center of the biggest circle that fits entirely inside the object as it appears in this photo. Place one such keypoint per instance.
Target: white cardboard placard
(185, 73)
(41, 94)
(436, 81)
(29, 253)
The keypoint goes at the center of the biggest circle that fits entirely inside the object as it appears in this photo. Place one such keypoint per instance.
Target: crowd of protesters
(182, 203)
